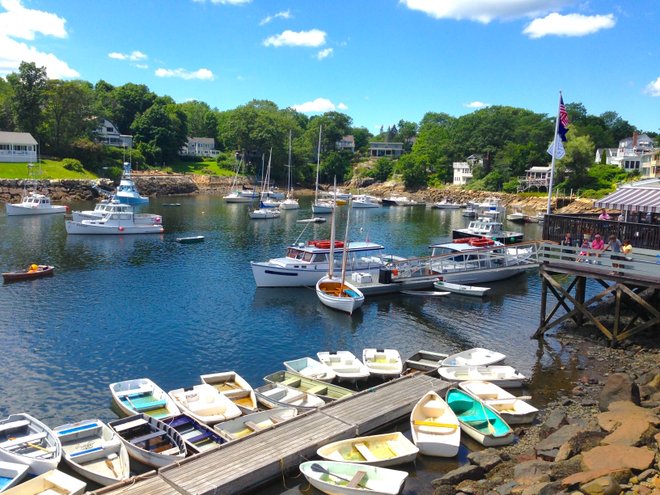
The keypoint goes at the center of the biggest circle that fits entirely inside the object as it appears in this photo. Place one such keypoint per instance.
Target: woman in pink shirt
(597, 245)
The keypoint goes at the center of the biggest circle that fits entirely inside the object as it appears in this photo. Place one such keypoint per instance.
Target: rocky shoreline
(600, 437)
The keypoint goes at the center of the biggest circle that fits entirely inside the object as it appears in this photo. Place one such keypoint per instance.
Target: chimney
(634, 141)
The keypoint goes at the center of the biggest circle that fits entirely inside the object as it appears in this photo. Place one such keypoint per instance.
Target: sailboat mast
(344, 257)
(289, 188)
(331, 260)
(318, 165)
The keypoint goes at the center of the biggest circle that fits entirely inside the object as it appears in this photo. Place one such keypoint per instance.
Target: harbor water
(122, 307)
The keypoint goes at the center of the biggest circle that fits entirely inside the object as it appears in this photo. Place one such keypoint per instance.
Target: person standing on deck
(603, 215)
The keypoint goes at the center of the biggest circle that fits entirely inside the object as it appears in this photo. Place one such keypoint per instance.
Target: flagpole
(554, 154)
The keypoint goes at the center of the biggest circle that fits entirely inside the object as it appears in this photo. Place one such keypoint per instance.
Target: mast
(318, 165)
(554, 154)
(288, 195)
(344, 256)
(331, 260)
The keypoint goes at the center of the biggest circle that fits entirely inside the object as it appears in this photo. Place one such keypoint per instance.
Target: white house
(536, 177)
(346, 143)
(109, 135)
(390, 150)
(628, 155)
(199, 146)
(463, 170)
(17, 147)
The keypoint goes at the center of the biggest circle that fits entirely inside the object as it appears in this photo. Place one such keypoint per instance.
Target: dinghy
(141, 395)
(514, 410)
(205, 403)
(424, 362)
(504, 376)
(11, 473)
(479, 420)
(27, 440)
(235, 387)
(386, 449)
(384, 363)
(434, 427)
(310, 368)
(477, 356)
(94, 451)
(274, 395)
(149, 440)
(345, 478)
(325, 391)
(345, 365)
(190, 240)
(31, 272)
(198, 436)
(466, 290)
(53, 482)
(251, 423)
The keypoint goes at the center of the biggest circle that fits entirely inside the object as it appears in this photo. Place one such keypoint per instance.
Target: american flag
(563, 119)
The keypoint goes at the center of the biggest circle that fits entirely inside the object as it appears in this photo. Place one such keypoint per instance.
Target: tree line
(63, 116)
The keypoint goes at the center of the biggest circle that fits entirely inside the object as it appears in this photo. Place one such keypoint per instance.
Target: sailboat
(264, 211)
(320, 206)
(336, 293)
(238, 195)
(290, 203)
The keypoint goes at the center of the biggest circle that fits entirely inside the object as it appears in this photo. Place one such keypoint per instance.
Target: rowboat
(149, 440)
(272, 395)
(385, 363)
(386, 449)
(345, 478)
(477, 356)
(344, 364)
(340, 295)
(52, 482)
(253, 422)
(11, 473)
(32, 271)
(479, 420)
(235, 387)
(27, 440)
(205, 403)
(504, 376)
(310, 368)
(324, 390)
(94, 451)
(467, 290)
(434, 427)
(198, 436)
(141, 395)
(190, 240)
(514, 410)
(423, 361)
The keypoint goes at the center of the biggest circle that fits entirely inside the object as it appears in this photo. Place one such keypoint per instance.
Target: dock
(245, 464)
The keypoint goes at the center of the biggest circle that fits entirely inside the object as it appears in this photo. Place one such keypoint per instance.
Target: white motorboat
(205, 403)
(347, 478)
(11, 473)
(466, 290)
(272, 395)
(34, 204)
(244, 426)
(197, 436)
(149, 440)
(504, 376)
(121, 221)
(127, 191)
(234, 386)
(513, 409)
(434, 427)
(312, 220)
(241, 196)
(141, 395)
(264, 213)
(113, 206)
(470, 211)
(365, 201)
(401, 201)
(53, 482)
(28, 441)
(311, 368)
(445, 205)
(477, 356)
(385, 363)
(490, 228)
(516, 217)
(387, 449)
(478, 420)
(94, 451)
(344, 364)
(490, 207)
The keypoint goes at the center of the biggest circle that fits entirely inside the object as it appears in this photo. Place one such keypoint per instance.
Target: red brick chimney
(634, 142)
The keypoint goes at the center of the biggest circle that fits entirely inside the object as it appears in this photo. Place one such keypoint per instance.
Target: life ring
(465, 240)
(481, 242)
(326, 244)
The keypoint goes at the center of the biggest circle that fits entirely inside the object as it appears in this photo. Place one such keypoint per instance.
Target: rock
(618, 386)
(486, 459)
(506, 489)
(617, 457)
(602, 486)
(559, 437)
(544, 488)
(554, 421)
(621, 475)
(444, 490)
(627, 423)
(531, 472)
(466, 472)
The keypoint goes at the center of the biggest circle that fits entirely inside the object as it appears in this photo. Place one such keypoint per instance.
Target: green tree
(126, 102)
(29, 88)
(361, 135)
(202, 121)
(161, 131)
(574, 166)
(6, 100)
(413, 172)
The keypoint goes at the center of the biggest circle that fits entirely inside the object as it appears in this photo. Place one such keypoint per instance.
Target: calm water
(145, 306)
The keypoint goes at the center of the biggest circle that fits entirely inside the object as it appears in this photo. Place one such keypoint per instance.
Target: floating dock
(245, 464)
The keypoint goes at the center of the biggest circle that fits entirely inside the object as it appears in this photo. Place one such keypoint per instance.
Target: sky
(378, 61)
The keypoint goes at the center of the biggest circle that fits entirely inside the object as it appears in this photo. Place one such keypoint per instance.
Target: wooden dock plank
(145, 484)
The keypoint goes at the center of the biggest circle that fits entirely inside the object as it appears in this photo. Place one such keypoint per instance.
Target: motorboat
(386, 449)
(490, 228)
(504, 376)
(385, 363)
(119, 222)
(478, 420)
(105, 207)
(34, 204)
(26, 440)
(141, 395)
(127, 191)
(235, 387)
(490, 208)
(31, 272)
(310, 368)
(54, 482)
(516, 217)
(401, 201)
(264, 213)
(470, 211)
(197, 436)
(347, 478)
(11, 473)
(272, 395)
(477, 356)
(344, 363)
(466, 290)
(205, 403)
(365, 201)
(326, 391)
(244, 426)
(190, 240)
(434, 427)
(514, 410)
(445, 205)
(94, 451)
(241, 196)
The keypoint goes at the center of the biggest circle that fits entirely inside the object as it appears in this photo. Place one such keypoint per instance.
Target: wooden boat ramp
(245, 464)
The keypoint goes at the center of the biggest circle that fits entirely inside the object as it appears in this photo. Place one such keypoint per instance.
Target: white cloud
(568, 25)
(484, 11)
(318, 105)
(653, 88)
(203, 74)
(22, 23)
(134, 56)
(476, 104)
(313, 37)
(324, 53)
(285, 14)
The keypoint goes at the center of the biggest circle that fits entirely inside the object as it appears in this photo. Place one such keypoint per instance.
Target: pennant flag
(558, 152)
(562, 129)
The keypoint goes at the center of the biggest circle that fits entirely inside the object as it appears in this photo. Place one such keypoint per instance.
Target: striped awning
(642, 199)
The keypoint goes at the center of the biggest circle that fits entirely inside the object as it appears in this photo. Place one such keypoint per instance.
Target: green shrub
(73, 165)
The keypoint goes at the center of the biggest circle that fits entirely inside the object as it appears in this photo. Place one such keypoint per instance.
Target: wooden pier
(245, 464)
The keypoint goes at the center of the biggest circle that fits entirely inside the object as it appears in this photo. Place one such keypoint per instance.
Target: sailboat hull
(342, 297)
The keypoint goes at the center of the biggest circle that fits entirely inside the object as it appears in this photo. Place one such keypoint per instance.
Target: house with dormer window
(108, 134)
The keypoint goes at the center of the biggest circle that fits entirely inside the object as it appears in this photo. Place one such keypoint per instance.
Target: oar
(111, 466)
(33, 445)
(490, 426)
(320, 469)
(420, 422)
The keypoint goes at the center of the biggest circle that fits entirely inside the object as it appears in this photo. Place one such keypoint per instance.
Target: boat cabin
(36, 201)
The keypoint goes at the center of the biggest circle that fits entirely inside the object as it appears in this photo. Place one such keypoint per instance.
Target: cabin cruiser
(127, 191)
(487, 227)
(120, 221)
(34, 204)
(113, 206)
(401, 201)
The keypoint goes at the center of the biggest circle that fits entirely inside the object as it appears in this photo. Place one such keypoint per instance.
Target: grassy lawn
(50, 169)
(201, 168)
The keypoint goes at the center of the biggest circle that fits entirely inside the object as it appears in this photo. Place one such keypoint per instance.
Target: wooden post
(580, 291)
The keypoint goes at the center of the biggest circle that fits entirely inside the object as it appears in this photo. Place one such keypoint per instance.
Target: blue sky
(378, 61)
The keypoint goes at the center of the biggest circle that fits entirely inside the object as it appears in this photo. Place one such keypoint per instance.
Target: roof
(643, 196)
(17, 138)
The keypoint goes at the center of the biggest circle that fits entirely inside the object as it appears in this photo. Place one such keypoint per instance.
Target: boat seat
(129, 425)
(147, 406)
(78, 432)
(14, 425)
(365, 452)
(23, 440)
(291, 382)
(472, 419)
(173, 451)
(395, 447)
(318, 389)
(147, 437)
(200, 437)
(356, 479)
(134, 392)
(434, 408)
(252, 426)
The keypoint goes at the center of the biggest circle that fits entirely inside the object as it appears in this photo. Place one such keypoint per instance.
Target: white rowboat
(27, 440)
(504, 376)
(235, 387)
(386, 449)
(254, 422)
(272, 395)
(434, 427)
(205, 403)
(513, 409)
(311, 368)
(385, 363)
(141, 395)
(11, 473)
(53, 482)
(467, 290)
(344, 478)
(344, 364)
(477, 356)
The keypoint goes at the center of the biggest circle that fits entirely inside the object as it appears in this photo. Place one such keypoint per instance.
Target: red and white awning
(642, 199)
